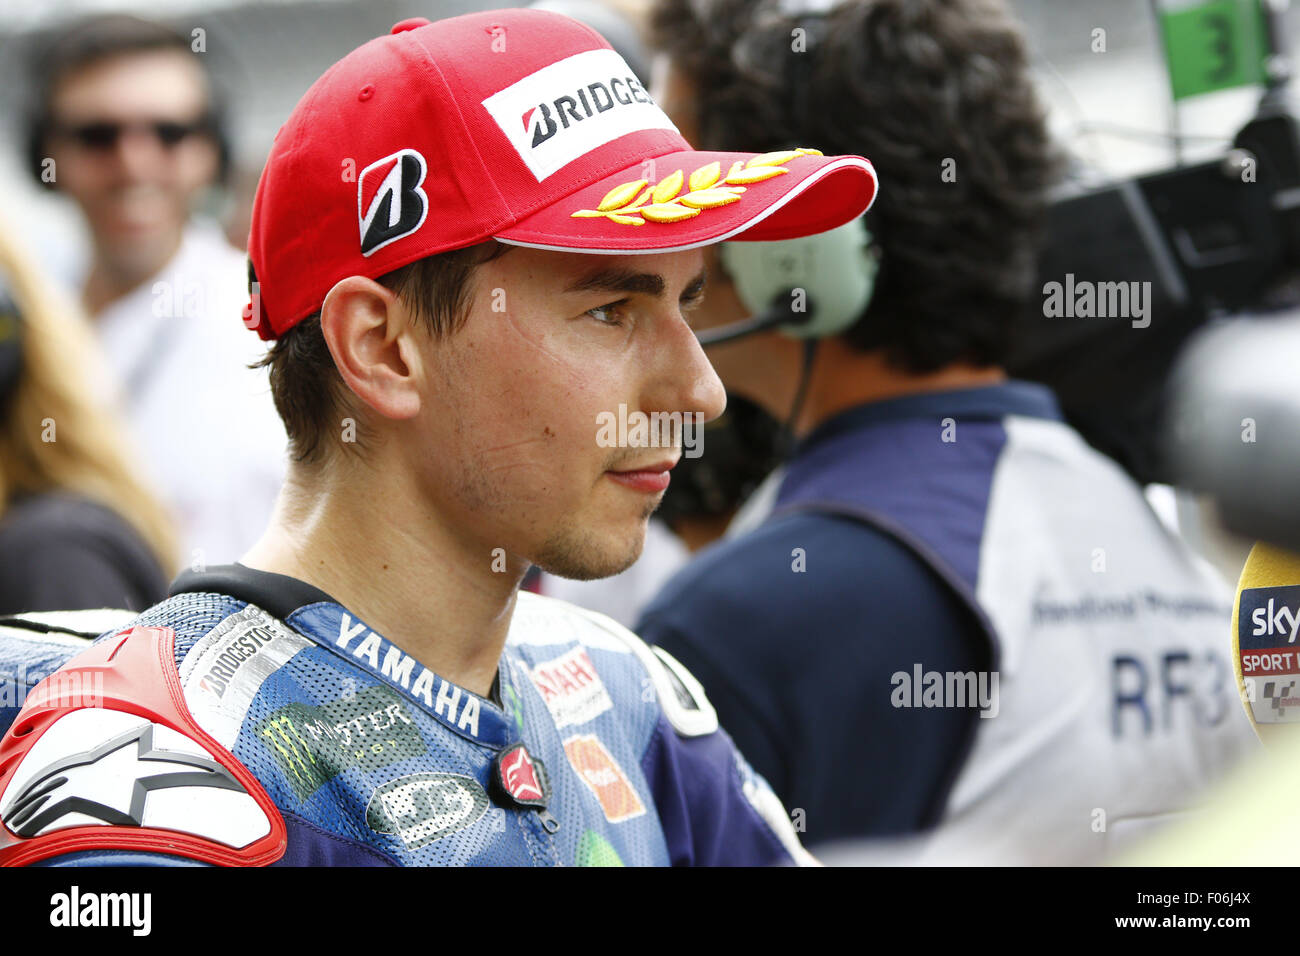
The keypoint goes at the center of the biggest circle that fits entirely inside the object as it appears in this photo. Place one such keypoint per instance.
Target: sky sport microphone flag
(519, 125)
(1266, 654)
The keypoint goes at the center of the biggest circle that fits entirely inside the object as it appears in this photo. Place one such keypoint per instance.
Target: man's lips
(650, 479)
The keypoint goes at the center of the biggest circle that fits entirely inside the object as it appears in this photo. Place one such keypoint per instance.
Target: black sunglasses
(103, 135)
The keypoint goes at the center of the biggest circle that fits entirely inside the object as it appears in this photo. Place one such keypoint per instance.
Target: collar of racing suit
(278, 594)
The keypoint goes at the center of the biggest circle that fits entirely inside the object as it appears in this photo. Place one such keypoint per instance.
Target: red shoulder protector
(134, 672)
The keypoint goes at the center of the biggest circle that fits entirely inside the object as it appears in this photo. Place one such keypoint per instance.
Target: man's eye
(608, 314)
(691, 304)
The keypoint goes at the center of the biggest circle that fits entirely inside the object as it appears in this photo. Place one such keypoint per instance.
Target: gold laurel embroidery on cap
(668, 212)
(668, 188)
(620, 196)
(633, 203)
(773, 159)
(708, 198)
(705, 176)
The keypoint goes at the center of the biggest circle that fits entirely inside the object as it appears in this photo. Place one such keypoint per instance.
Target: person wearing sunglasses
(124, 120)
(103, 136)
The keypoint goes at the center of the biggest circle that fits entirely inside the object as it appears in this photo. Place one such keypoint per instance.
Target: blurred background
(1100, 67)
(1154, 192)
(1112, 109)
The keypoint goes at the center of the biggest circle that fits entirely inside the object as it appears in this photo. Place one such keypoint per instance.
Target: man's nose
(688, 381)
(139, 153)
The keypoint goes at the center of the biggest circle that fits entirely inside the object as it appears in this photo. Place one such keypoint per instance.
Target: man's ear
(373, 340)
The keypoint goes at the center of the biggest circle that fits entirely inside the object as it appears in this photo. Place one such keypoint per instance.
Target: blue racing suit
(251, 719)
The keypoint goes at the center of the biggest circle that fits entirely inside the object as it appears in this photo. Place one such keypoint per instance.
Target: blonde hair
(85, 454)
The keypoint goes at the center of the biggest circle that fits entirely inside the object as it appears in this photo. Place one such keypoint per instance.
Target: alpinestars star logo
(390, 202)
(119, 778)
(520, 777)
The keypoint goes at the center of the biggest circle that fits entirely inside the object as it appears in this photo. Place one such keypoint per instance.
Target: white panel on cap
(538, 92)
(793, 8)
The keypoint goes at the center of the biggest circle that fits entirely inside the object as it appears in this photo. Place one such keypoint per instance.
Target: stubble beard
(571, 550)
(576, 553)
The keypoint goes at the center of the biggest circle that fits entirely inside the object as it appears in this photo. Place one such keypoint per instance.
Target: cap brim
(777, 196)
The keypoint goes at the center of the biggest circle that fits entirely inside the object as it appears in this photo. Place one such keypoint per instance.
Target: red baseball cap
(519, 125)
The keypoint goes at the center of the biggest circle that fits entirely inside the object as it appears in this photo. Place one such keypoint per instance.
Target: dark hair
(910, 84)
(71, 48)
(308, 391)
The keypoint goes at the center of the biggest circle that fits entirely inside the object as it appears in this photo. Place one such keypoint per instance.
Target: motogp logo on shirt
(390, 202)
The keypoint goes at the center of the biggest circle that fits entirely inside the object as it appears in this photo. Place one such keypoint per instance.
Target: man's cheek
(196, 167)
(561, 403)
(75, 179)
(535, 347)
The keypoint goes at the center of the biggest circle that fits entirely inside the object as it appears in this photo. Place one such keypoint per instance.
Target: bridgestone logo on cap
(390, 202)
(567, 109)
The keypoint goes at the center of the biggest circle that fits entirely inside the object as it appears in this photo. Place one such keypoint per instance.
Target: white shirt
(1114, 706)
(212, 443)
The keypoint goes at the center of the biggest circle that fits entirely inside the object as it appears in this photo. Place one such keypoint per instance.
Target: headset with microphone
(816, 286)
(809, 288)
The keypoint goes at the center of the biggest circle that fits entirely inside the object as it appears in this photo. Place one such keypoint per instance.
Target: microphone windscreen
(1265, 651)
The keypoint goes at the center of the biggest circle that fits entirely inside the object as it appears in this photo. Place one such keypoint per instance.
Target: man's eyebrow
(619, 280)
(625, 280)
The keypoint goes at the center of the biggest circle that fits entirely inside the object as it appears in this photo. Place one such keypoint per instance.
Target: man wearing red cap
(474, 241)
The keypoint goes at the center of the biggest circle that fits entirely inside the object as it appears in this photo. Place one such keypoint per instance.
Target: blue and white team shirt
(251, 719)
(953, 616)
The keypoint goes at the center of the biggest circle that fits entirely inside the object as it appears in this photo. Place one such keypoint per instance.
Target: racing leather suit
(250, 719)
